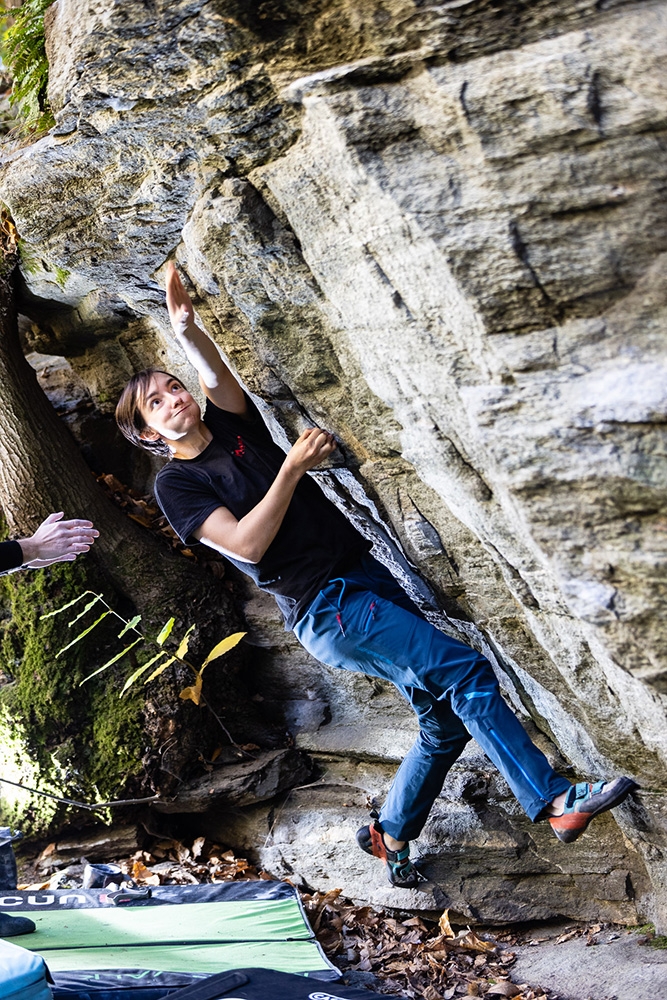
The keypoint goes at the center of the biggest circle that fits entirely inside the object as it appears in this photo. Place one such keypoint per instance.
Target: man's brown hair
(128, 411)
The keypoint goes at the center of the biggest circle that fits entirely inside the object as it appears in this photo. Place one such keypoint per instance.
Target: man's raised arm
(217, 382)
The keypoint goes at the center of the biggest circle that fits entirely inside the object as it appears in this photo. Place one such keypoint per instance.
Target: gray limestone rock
(440, 230)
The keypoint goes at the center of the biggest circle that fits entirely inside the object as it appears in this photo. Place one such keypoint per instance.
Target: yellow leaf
(445, 926)
(222, 647)
(183, 646)
(160, 669)
(192, 693)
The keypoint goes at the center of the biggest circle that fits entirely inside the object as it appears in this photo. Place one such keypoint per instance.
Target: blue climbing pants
(364, 621)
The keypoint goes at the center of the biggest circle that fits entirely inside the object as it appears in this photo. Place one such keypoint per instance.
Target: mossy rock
(83, 741)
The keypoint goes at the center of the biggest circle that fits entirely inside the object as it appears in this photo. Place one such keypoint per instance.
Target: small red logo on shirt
(239, 451)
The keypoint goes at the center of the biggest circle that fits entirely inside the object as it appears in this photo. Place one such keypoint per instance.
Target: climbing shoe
(400, 870)
(11, 926)
(584, 801)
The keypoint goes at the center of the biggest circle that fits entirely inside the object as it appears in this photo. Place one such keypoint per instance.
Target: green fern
(24, 55)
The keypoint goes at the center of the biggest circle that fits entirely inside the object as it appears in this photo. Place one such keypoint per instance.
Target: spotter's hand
(57, 541)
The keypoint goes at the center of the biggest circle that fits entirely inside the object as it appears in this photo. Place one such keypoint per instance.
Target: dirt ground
(617, 964)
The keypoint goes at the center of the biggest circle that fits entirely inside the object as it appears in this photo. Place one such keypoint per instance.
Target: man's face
(169, 411)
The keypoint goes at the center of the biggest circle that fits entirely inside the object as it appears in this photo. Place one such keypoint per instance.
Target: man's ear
(148, 434)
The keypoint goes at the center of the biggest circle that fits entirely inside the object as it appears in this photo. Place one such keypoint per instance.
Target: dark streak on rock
(597, 206)
(462, 99)
(482, 491)
(593, 101)
(521, 250)
(396, 296)
(452, 561)
(515, 581)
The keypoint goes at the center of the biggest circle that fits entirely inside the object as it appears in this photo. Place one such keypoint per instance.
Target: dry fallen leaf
(471, 942)
(567, 936)
(431, 994)
(445, 926)
(143, 874)
(198, 846)
(503, 989)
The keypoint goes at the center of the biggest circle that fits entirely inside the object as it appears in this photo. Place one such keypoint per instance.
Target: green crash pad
(199, 928)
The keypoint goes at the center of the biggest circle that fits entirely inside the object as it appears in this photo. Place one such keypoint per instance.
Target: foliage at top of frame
(24, 55)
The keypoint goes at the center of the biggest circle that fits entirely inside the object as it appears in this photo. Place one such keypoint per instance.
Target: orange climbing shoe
(584, 801)
(400, 870)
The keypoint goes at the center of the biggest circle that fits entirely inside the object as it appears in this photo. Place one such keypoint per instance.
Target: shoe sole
(364, 840)
(570, 826)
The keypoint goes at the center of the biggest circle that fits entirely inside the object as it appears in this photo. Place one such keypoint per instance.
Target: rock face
(440, 230)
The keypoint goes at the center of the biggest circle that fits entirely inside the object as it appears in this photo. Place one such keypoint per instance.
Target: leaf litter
(402, 955)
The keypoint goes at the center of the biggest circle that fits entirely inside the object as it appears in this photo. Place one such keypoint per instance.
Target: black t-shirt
(235, 471)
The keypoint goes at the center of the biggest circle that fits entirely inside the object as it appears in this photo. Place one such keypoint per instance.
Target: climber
(228, 485)
(54, 541)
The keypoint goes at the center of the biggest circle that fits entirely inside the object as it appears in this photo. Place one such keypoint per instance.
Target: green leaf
(166, 632)
(142, 670)
(82, 634)
(131, 624)
(69, 604)
(113, 659)
(222, 647)
(87, 608)
(160, 669)
(183, 645)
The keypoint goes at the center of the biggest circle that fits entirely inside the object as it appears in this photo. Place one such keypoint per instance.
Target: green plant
(61, 274)
(652, 939)
(24, 55)
(160, 661)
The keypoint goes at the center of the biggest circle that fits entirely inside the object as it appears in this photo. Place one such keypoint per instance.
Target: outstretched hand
(179, 303)
(310, 449)
(57, 541)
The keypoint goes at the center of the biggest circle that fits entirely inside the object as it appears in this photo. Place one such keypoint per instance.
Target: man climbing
(229, 486)
(54, 541)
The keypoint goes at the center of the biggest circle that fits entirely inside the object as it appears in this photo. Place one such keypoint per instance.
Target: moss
(654, 940)
(87, 739)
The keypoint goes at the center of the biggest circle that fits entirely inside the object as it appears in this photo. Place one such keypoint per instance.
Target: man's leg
(359, 623)
(418, 782)
(421, 775)
(351, 625)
